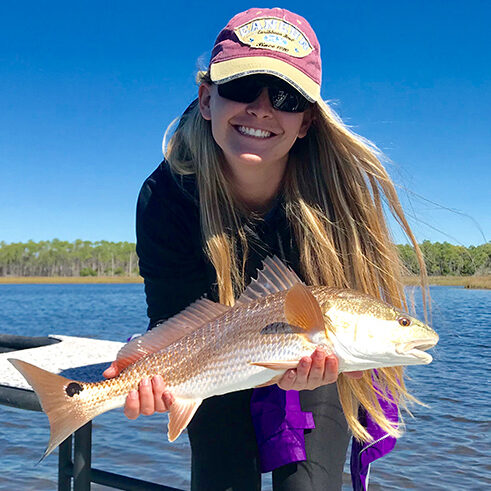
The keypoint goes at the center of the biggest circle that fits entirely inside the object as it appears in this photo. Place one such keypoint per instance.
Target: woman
(258, 166)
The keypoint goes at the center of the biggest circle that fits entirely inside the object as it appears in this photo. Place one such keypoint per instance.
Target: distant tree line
(444, 259)
(62, 258)
(84, 258)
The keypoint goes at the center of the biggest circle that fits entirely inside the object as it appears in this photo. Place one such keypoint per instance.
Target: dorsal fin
(187, 321)
(273, 278)
(302, 309)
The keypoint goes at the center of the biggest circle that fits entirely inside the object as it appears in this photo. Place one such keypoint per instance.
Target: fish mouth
(417, 349)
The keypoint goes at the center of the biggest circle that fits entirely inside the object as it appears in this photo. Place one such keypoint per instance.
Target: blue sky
(88, 88)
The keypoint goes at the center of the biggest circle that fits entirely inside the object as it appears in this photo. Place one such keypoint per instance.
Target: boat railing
(75, 453)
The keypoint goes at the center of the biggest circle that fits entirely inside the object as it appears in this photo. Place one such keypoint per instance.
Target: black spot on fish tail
(73, 388)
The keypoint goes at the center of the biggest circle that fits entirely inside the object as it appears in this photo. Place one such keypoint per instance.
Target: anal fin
(181, 413)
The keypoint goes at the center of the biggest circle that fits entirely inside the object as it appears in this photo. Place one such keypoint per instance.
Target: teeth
(254, 132)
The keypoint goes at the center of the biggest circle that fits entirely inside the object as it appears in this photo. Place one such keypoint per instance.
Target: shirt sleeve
(169, 248)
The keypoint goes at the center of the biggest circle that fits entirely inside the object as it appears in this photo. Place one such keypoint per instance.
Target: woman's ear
(307, 121)
(204, 95)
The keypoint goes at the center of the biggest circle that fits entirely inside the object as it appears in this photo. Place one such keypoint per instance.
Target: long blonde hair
(334, 187)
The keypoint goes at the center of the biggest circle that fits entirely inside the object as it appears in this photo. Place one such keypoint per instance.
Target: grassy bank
(477, 282)
(90, 280)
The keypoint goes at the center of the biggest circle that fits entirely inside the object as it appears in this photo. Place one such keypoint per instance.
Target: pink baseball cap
(270, 41)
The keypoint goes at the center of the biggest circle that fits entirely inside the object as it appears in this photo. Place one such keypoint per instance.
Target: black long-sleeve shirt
(170, 245)
(176, 272)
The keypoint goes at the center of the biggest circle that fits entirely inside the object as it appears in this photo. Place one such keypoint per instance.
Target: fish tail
(61, 400)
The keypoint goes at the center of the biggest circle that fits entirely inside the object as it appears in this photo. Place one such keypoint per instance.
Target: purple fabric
(279, 423)
(363, 454)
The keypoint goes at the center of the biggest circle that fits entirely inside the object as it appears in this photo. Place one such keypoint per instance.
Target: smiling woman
(259, 165)
(254, 137)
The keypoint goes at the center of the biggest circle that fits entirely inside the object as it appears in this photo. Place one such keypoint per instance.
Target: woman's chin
(247, 159)
(251, 158)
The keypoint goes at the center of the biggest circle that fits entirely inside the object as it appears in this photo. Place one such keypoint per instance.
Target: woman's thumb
(111, 371)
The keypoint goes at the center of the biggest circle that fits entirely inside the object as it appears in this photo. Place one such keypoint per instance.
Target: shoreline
(68, 280)
(471, 282)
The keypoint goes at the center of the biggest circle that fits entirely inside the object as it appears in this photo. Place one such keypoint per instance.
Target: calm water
(445, 445)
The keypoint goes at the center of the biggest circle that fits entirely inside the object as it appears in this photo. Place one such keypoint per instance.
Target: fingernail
(291, 374)
(157, 379)
(145, 382)
(133, 394)
(305, 363)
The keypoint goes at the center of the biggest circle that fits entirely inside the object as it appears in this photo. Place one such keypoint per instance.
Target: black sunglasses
(283, 96)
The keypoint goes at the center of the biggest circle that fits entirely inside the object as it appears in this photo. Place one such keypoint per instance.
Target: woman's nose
(261, 107)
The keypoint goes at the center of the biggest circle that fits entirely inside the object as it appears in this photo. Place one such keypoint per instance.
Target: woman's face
(251, 134)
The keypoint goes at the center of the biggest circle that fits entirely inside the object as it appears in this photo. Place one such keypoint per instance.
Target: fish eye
(404, 321)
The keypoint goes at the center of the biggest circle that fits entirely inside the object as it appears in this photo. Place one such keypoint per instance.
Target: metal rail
(75, 453)
(83, 474)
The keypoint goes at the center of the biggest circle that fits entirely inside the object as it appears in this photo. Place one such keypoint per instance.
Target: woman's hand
(151, 396)
(313, 371)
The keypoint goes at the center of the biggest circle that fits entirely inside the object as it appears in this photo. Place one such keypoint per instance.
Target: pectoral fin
(302, 309)
(181, 413)
(276, 365)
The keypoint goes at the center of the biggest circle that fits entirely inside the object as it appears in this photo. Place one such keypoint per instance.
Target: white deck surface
(81, 359)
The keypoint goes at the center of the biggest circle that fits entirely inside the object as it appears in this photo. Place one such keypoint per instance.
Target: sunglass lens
(287, 100)
(244, 90)
(283, 97)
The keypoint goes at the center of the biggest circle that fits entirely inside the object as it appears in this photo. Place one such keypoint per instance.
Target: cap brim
(228, 70)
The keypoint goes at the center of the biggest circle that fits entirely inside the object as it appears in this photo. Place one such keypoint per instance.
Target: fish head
(368, 333)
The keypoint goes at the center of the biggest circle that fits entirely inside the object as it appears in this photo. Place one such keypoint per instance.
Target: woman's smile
(251, 132)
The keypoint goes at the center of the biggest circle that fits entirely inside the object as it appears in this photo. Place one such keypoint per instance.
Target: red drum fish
(210, 349)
